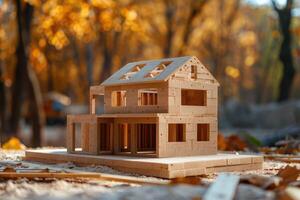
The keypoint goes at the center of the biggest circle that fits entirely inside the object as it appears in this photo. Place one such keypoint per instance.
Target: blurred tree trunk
(3, 101)
(36, 107)
(25, 78)
(110, 44)
(21, 65)
(170, 11)
(107, 63)
(228, 14)
(195, 9)
(89, 62)
(285, 55)
(50, 83)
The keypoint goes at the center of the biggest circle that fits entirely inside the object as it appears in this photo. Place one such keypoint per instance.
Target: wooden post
(70, 135)
(93, 141)
(92, 104)
(85, 137)
(133, 139)
(116, 146)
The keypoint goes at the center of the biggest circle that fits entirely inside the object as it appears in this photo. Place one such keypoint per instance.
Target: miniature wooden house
(155, 108)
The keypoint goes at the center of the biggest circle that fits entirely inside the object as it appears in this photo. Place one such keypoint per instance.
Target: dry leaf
(187, 180)
(288, 174)
(9, 169)
(231, 143)
(13, 144)
(235, 143)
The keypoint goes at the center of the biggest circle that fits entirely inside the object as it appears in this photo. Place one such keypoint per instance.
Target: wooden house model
(159, 119)
(154, 108)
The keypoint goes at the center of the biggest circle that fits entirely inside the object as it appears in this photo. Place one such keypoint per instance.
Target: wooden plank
(223, 188)
(97, 90)
(85, 130)
(79, 175)
(93, 139)
(70, 136)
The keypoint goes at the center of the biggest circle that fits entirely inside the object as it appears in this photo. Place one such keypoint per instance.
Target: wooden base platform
(158, 167)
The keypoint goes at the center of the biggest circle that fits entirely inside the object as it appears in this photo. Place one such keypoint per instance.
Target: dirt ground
(98, 189)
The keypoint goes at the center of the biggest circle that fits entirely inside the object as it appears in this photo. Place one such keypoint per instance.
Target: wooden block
(94, 140)
(85, 137)
(257, 159)
(194, 172)
(238, 161)
(70, 135)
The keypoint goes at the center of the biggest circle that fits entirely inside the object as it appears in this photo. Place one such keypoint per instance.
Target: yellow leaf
(232, 71)
(13, 144)
(249, 61)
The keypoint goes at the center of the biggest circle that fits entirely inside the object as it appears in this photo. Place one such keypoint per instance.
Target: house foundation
(157, 167)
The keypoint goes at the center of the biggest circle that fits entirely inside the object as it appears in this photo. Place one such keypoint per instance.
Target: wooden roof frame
(149, 66)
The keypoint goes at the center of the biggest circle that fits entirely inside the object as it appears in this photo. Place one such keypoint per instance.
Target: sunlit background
(51, 51)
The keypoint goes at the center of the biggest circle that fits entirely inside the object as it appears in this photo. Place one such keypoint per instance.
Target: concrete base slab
(158, 167)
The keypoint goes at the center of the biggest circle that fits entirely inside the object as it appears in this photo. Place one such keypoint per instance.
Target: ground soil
(96, 189)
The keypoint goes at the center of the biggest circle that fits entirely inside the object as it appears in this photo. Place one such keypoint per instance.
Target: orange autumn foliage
(13, 144)
(231, 143)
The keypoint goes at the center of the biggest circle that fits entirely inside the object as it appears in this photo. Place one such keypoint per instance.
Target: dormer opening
(134, 70)
(158, 69)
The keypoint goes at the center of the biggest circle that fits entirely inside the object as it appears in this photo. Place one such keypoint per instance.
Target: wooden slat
(223, 188)
(63, 175)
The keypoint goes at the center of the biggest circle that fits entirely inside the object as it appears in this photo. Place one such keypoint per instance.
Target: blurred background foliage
(64, 46)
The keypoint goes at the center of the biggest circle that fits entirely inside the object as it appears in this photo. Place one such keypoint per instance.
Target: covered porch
(113, 134)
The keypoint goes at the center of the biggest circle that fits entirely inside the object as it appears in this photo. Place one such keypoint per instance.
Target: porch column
(94, 139)
(85, 137)
(133, 140)
(70, 135)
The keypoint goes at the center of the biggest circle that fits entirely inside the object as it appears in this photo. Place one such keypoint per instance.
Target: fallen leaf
(187, 180)
(288, 174)
(13, 144)
(235, 143)
(9, 169)
(231, 143)
(267, 150)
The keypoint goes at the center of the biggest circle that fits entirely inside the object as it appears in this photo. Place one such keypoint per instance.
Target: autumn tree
(25, 78)
(179, 21)
(7, 16)
(285, 55)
